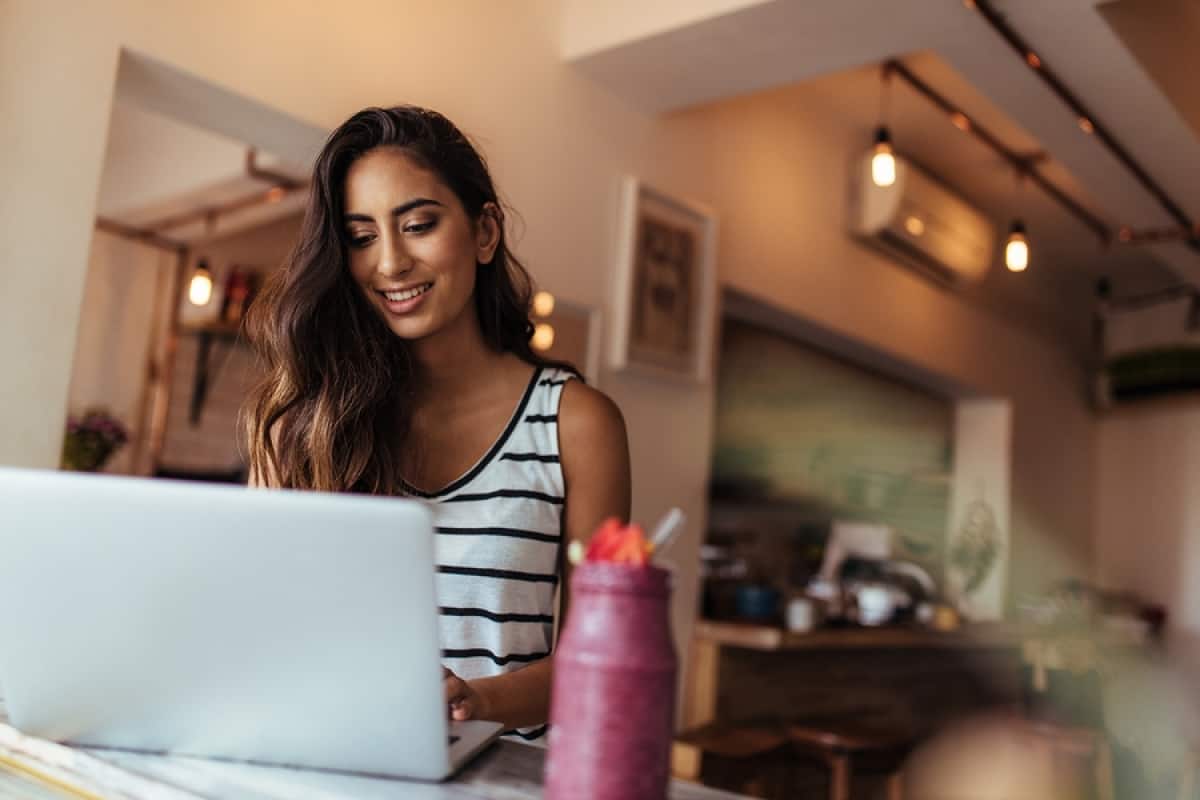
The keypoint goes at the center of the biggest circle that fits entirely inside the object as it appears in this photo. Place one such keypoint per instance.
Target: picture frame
(664, 289)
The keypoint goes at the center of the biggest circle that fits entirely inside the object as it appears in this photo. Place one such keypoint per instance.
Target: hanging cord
(885, 94)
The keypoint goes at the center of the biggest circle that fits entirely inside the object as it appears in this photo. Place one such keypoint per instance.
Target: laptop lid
(273, 626)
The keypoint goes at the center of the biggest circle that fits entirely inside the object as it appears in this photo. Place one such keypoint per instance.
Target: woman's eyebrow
(399, 210)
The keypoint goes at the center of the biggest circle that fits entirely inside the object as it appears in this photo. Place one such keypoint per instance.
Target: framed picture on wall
(664, 291)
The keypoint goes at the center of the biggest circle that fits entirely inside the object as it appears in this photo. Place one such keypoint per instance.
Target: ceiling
(1055, 294)
(1163, 36)
(1126, 64)
(157, 167)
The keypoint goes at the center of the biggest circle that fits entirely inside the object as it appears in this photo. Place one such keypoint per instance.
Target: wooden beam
(142, 235)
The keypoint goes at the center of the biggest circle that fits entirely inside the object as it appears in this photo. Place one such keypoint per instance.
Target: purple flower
(89, 442)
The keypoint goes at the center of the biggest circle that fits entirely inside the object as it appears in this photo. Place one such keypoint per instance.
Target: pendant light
(883, 158)
(201, 285)
(1016, 248)
(883, 162)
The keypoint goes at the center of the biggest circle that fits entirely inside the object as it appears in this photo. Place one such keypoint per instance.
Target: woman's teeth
(408, 294)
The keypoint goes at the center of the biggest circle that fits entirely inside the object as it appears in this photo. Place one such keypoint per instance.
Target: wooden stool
(841, 743)
(743, 752)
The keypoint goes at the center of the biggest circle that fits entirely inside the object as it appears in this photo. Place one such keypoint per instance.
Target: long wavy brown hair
(334, 406)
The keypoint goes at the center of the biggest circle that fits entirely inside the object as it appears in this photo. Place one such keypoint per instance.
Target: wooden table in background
(916, 677)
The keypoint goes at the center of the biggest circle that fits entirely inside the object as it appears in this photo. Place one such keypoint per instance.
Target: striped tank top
(498, 543)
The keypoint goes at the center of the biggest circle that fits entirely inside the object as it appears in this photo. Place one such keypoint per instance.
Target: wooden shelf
(769, 638)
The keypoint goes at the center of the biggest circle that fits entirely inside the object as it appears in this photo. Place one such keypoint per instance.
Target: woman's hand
(462, 699)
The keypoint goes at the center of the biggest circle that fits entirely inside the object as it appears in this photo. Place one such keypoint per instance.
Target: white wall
(51, 163)
(558, 145)
(1148, 510)
(121, 288)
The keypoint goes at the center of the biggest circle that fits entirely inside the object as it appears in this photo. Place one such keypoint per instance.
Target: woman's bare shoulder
(594, 450)
(589, 417)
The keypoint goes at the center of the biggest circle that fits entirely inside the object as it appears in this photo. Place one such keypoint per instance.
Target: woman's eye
(420, 227)
(361, 241)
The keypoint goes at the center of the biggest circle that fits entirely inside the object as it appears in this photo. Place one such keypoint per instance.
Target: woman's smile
(406, 300)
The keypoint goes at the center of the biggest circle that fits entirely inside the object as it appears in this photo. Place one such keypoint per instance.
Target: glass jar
(612, 716)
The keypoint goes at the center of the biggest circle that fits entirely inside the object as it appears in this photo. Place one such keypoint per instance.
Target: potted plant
(91, 440)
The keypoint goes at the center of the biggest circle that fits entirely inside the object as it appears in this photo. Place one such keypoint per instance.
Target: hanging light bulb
(1016, 249)
(883, 162)
(543, 336)
(200, 288)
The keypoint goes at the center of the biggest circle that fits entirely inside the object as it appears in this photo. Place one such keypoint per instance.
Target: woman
(396, 342)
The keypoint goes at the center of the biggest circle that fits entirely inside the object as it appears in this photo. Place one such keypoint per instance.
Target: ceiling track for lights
(1187, 229)
(1025, 164)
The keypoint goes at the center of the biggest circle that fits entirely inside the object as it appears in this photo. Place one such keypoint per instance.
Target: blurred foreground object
(1151, 713)
(1007, 758)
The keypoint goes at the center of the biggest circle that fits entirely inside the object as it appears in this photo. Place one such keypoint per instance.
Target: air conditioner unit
(922, 223)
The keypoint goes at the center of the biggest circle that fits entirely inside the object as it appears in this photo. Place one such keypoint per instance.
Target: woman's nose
(393, 260)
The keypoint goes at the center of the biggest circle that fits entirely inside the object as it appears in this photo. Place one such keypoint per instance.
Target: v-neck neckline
(491, 453)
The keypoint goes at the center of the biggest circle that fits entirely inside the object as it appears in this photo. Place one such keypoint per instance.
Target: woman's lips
(404, 302)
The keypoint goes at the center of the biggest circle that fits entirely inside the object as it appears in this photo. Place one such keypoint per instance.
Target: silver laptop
(277, 627)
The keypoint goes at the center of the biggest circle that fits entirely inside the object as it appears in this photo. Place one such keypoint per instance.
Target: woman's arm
(594, 452)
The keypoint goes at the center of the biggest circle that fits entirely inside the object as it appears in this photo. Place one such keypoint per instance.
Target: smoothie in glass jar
(613, 703)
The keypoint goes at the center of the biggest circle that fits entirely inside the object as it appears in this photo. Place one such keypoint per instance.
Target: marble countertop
(508, 770)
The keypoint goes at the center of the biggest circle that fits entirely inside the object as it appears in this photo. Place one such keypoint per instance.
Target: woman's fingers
(459, 697)
(463, 710)
(456, 688)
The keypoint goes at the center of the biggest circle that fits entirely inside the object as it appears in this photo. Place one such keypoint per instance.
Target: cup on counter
(875, 604)
(756, 602)
(801, 616)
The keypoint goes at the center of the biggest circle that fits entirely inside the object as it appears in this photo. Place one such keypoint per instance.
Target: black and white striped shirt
(498, 539)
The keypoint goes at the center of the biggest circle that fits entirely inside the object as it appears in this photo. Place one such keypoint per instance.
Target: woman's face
(412, 247)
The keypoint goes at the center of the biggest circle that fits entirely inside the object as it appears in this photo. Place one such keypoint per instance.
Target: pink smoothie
(613, 705)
